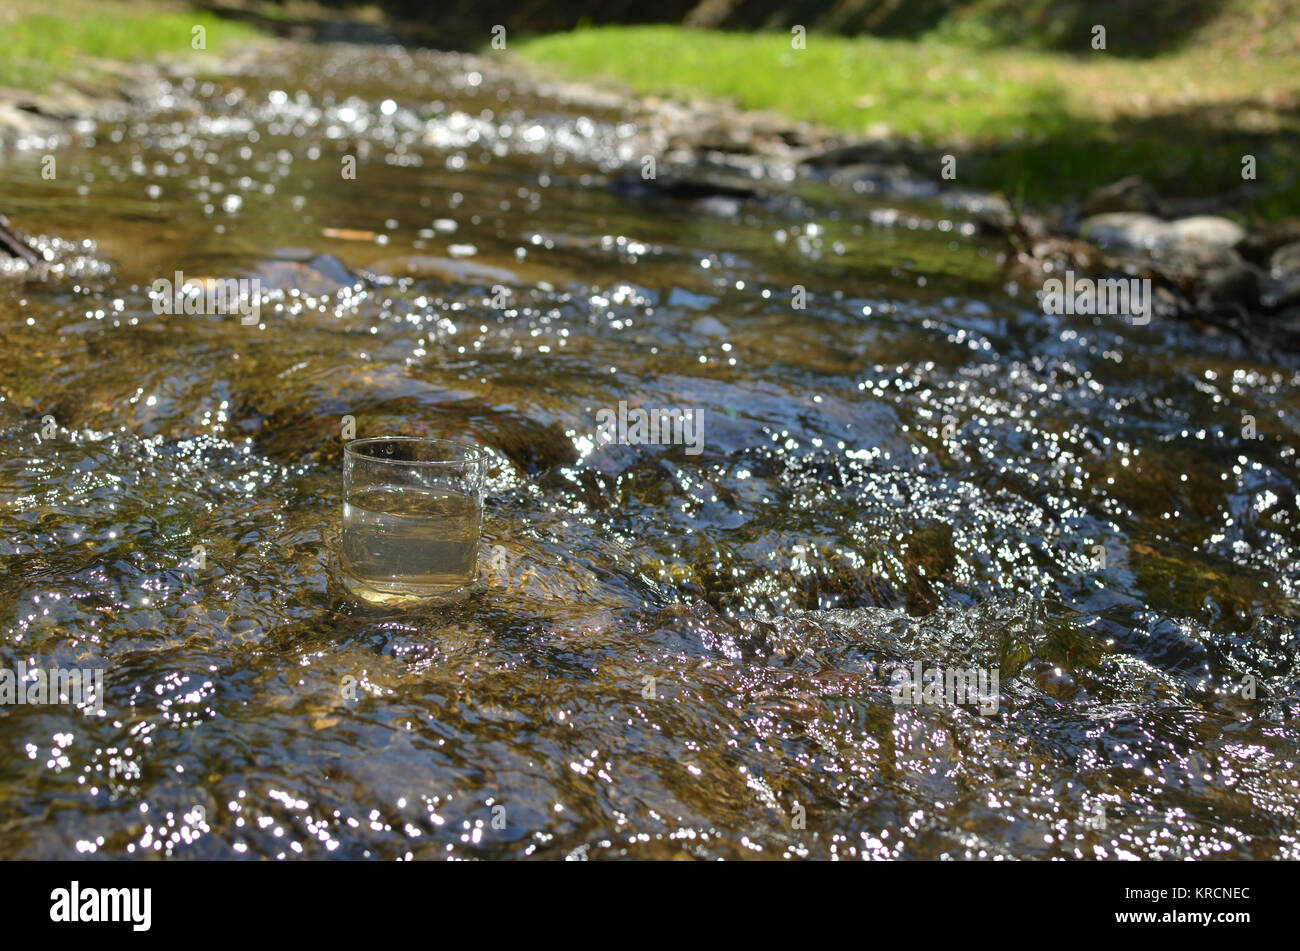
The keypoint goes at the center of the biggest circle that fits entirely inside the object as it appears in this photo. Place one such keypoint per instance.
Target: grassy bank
(1048, 125)
(63, 39)
(1047, 120)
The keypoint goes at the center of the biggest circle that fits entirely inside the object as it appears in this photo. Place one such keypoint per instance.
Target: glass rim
(472, 453)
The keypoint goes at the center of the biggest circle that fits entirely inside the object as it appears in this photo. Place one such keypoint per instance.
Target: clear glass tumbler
(412, 516)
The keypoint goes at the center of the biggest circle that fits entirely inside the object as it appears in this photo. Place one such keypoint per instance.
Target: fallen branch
(15, 246)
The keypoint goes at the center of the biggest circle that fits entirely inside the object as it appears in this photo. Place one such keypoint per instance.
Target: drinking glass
(412, 516)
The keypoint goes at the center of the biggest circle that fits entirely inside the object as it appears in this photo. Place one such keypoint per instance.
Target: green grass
(42, 47)
(851, 84)
(1052, 125)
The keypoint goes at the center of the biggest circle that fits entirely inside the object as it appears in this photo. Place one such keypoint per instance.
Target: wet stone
(321, 274)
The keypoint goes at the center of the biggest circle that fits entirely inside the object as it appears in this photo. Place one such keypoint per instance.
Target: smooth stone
(1285, 261)
(1131, 228)
(1206, 230)
(1139, 230)
(1284, 277)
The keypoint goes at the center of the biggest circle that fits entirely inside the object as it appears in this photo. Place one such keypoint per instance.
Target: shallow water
(676, 653)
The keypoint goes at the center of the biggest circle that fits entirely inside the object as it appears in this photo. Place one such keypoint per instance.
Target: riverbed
(673, 653)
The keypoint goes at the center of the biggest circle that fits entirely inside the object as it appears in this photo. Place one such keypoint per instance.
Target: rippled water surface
(673, 654)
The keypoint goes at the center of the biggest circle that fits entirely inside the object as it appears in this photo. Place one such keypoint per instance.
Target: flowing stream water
(677, 651)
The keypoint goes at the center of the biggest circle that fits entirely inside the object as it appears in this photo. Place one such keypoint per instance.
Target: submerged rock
(323, 274)
(710, 327)
(666, 188)
(451, 270)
